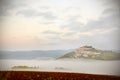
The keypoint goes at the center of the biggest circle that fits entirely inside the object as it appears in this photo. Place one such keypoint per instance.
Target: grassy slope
(105, 55)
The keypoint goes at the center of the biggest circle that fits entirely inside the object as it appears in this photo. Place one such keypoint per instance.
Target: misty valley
(85, 59)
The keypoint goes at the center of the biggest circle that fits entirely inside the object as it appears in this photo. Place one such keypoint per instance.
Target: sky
(59, 24)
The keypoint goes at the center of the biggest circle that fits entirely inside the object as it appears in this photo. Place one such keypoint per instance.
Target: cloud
(63, 23)
(110, 11)
(109, 18)
(70, 33)
(112, 3)
(105, 22)
(47, 15)
(51, 32)
(6, 6)
(58, 38)
(73, 24)
(47, 22)
(102, 33)
(37, 13)
(28, 8)
(27, 12)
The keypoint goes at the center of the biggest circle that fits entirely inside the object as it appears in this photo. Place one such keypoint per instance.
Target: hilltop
(89, 52)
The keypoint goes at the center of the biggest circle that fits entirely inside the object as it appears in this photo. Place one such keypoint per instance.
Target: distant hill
(35, 54)
(88, 52)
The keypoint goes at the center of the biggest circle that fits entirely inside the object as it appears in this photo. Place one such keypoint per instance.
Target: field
(34, 75)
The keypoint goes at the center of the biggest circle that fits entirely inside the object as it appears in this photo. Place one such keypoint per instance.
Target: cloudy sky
(59, 24)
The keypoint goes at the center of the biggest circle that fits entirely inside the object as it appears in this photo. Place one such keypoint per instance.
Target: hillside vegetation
(88, 52)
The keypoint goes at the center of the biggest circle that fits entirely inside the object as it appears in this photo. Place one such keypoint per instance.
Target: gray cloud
(72, 24)
(23, 8)
(110, 18)
(37, 13)
(113, 8)
(47, 22)
(112, 3)
(27, 12)
(7, 5)
(57, 38)
(51, 32)
(106, 22)
(110, 11)
(47, 15)
(70, 33)
(108, 40)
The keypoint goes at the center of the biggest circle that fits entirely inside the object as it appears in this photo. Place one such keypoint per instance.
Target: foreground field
(32, 75)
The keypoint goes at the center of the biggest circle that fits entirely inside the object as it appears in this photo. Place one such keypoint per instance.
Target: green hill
(88, 52)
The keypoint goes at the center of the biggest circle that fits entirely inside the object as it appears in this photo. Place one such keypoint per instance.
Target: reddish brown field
(30, 75)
